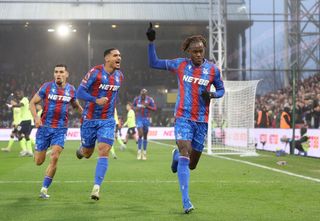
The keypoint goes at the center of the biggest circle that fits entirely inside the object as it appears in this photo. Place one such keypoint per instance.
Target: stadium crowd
(29, 77)
(273, 104)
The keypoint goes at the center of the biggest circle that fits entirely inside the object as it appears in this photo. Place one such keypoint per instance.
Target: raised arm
(154, 62)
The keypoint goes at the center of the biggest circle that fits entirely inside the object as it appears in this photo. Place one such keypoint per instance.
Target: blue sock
(139, 143)
(47, 181)
(183, 177)
(145, 143)
(101, 169)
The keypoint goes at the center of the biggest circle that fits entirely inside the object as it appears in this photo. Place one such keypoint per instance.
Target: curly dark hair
(194, 38)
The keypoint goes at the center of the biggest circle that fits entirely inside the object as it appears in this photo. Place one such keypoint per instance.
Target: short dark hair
(62, 66)
(194, 38)
(108, 51)
(143, 91)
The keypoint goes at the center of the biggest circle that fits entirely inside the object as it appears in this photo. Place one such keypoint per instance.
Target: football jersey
(192, 81)
(16, 115)
(144, 112)
(24, 109)
(99, 84)
(131, 119)
(56, 102)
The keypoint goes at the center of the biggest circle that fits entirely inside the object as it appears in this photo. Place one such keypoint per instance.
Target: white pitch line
(256, 165)
(269, 168)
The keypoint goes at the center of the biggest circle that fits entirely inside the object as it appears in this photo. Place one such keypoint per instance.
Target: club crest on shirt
(205, 71)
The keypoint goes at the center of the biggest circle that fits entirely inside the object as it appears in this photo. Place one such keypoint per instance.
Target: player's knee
(54, 156)
(38, 161)
(11, 136)
(87, 155)
(104, 152)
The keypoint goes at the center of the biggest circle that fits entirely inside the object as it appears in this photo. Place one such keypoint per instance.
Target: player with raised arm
(143, 105)
(195, 76)
(52, 124)
(99, 89)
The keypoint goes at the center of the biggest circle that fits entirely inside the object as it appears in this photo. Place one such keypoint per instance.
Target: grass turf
(147, 190)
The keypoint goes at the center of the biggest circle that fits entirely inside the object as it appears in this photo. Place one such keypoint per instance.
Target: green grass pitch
(220, 189)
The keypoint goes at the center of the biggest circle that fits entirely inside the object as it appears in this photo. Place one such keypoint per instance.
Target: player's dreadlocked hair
(192, 39)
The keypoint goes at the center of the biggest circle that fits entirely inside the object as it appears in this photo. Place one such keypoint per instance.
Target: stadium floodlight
(157, 26)
(63, 31)
(51, 30)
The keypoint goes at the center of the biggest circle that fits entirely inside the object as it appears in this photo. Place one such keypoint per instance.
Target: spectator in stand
(263, 120)
(285, 119)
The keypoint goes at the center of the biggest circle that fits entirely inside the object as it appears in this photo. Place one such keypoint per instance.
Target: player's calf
(174, 164)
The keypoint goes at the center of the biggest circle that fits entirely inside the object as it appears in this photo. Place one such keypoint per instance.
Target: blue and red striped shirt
(192, 82)
(99, 83)
(148, 102)
(56, 102)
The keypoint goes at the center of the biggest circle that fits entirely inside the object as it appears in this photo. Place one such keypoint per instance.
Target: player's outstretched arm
(154, 62)
(151, 33)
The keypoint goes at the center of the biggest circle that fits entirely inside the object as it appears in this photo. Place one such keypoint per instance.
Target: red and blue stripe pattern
(148, 102)
(56, 102)
(192, 81)
(99, 84)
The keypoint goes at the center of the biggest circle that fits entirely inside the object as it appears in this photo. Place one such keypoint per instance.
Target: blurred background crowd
(271, 105)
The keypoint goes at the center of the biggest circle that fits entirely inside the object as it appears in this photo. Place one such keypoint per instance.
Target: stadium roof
(121, 10)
